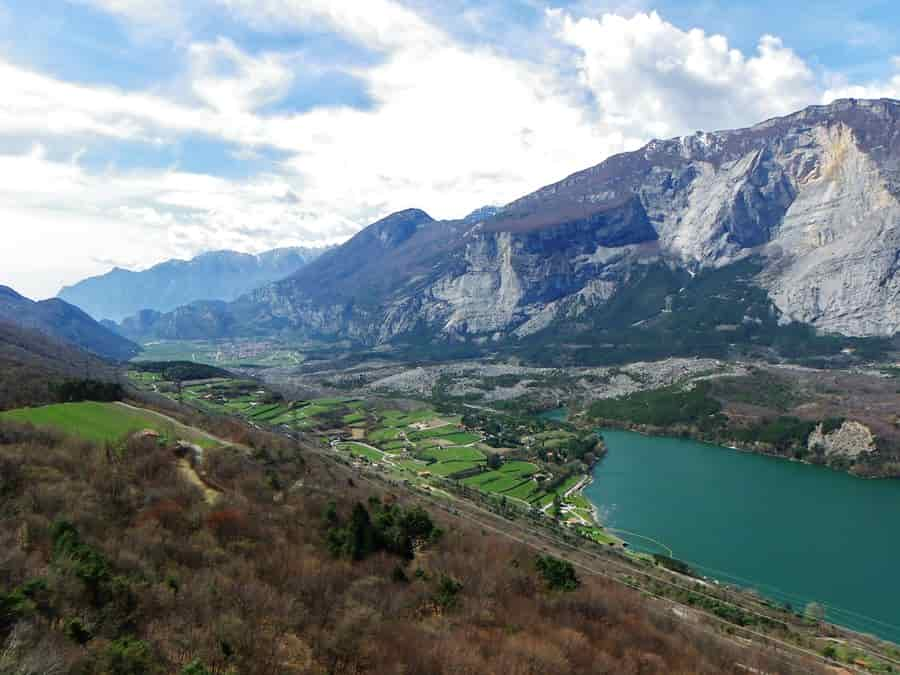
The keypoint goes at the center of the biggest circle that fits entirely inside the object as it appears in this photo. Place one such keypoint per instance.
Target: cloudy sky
(132, 131)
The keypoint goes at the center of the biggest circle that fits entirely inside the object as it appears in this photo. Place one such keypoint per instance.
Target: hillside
(280, 562)
(780, 211)
(31, 362)
(64, 322)
(218, 275)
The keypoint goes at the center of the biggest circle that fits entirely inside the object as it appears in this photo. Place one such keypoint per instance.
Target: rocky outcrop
(850, 440)
(813, 196)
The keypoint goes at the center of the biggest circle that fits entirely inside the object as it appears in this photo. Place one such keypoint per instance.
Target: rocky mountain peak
(812, 197)
(396, 228)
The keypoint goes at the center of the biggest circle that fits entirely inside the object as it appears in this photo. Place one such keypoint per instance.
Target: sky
(134, 131)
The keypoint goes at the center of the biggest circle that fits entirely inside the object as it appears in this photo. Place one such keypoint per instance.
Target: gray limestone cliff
(813, 196)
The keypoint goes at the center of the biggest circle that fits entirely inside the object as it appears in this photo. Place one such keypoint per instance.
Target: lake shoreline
(690, 433)
(747, 523)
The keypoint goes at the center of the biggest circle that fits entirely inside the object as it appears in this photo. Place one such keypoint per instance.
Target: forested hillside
(64, 322)
(31, 364)
(113, 561)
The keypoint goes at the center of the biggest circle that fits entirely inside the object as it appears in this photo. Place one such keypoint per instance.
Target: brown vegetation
(113, 563)
(31, 364)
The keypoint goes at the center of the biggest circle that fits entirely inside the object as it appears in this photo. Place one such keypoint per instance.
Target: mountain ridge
(804, 194)
(213, 275)
(62, 321)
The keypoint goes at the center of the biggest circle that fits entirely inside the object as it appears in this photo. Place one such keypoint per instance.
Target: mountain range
(722, 237)
(217, 275)
(62, 323)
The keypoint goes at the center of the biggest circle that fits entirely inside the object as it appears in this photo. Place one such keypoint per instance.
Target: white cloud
(230, 81)
(38, 104)
(381, 24)
(149, 16)
(651, 78)
(451, 127)
(839, 87)
(64, 219)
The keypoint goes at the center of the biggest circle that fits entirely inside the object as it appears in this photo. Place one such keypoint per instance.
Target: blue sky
(136, 130)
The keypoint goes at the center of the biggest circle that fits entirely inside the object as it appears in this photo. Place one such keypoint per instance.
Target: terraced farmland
(250, 400)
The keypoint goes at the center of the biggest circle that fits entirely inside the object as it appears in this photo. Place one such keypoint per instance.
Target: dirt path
(191, 476)
(185, 468)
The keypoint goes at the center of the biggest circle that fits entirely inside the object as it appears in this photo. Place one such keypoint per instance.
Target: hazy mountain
(219, 275)
(60, 320)
(720, 237)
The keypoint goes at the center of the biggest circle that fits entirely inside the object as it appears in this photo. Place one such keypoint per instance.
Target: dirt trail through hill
(191, 476)
(185, 467)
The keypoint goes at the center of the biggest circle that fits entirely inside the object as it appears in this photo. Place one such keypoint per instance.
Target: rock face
(219, 275)
(851, 440)
(812, 196)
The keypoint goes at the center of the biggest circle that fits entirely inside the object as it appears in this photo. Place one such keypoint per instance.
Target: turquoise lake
(795, 533)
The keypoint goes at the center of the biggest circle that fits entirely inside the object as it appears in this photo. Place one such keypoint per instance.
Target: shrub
(76, 631)
(88, 564)
(447, 595)
(195, 667)
(127, 656)
(559, 575)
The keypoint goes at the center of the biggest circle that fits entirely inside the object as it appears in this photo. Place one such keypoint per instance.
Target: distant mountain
(64, 322)
(219, 275)
(757, 236)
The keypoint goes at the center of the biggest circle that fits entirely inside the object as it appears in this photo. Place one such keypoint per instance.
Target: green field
(397, 446)
(251, 400)
(361, 451)
(453, 454)
(500, 483)
(513, 480)
(436, 432)
(102, 422)
(462, 438)
(451, 467)
(525, 491)
(399, 418)
(381, 435)
(519, 468)
(412, 465)
(449, 432)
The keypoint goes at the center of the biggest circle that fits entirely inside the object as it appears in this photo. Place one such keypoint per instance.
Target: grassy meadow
(101, 422)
